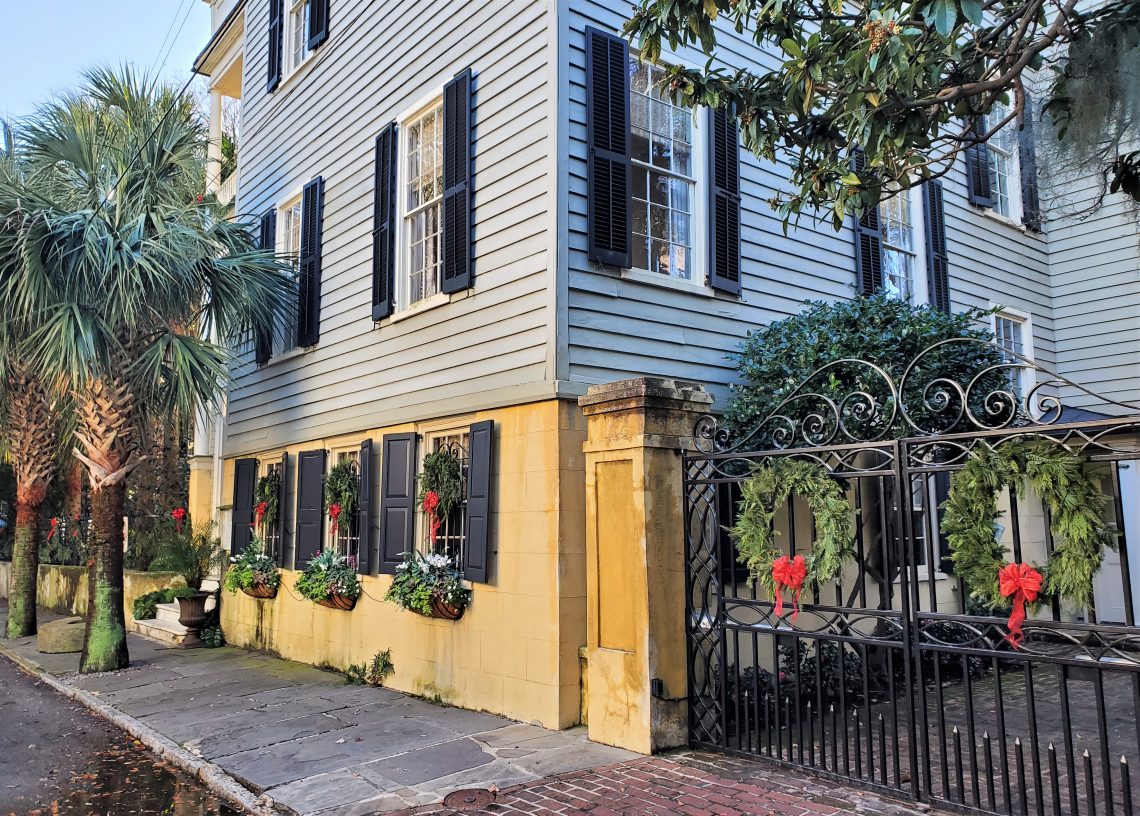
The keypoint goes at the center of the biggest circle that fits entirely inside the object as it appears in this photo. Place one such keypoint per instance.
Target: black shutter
(245, 484)
(282, 527)
(384, 224)
(397, 500)
(318, 23)
(937, 262)
(1031, 215)
(276, 38)
(309, 302)
(310, 506)
(724, 169)
(367, 550)
(978, 170)
(456, 234)
(610, 181)
(476, 556)
(940, 493)
(868, 242)
(267, 240)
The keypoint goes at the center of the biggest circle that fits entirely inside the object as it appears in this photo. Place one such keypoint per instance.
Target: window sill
(289, 354)
(655, 279)
(425, 305)
(989, 212)
(289, 78)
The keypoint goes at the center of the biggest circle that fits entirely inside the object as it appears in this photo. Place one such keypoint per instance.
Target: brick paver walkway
(685, 784)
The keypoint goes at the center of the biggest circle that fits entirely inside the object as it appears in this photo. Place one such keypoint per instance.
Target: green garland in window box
(342, 494)
(765, 492)
(1066, 487)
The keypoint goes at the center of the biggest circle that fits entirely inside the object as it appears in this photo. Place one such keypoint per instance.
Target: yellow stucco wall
(63, 589)
(515, 651)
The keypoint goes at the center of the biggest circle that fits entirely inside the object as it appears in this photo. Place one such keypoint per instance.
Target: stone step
(167, 612)
(160, 630)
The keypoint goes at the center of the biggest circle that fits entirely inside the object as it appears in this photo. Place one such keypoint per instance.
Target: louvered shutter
(397, 499)
(1031, 215)
(937, 262)
(245, 483)
(318, 23)
(309, 276)
(282, 527)
(476, 555)
(367, 551)
(609, 176)
(310, 506)
(267, 240)
(456, 232)
(275, 43)
(384, 224)
(724, 170)
(978, 170)
(868, 242)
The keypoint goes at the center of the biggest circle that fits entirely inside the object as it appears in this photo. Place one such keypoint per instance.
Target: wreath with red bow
(1076, 507)
(767, 491)
(342, 495)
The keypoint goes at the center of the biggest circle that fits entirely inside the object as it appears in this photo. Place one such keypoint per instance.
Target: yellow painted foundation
(515, 651)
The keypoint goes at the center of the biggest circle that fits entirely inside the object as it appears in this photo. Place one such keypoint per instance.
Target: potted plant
(430, 585)
(330, 579)
(253, 572)
(194, 552)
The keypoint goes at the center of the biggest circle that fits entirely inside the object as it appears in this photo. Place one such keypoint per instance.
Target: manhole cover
(468, 799)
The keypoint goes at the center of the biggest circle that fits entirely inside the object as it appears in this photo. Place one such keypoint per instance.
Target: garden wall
(64, 589)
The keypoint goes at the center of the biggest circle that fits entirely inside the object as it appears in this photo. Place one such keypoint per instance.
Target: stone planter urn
(192, 614)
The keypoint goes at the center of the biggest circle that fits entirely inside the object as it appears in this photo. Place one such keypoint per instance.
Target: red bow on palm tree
(790, 573)
(1021, 583)
(179, 515)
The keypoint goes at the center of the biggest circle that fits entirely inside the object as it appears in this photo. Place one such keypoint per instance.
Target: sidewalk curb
(213, 777)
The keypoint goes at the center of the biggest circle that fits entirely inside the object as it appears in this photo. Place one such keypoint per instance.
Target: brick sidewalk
(689, 783)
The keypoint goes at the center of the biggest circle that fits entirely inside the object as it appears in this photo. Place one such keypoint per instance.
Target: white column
(214, 149)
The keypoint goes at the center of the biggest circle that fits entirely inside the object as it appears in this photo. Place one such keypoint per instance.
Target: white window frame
(293, 10)
(1027, 377)
(402, 308)
(266, 463)
(1013, 165)
(699, 209)
(920, 285)
(285, 344)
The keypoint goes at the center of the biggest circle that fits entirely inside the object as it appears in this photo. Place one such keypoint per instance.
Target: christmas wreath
(441, 487)
(342, 495)
(762, 495)
(268, 495)
(1076, 510)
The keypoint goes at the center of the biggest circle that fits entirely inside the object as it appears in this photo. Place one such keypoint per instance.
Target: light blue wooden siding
(1094, 263)
(487, 346)
(617, 327)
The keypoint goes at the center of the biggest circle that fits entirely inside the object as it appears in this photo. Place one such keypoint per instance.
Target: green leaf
(972, 11)
(943, 13)
(710, 9)
(790, 46)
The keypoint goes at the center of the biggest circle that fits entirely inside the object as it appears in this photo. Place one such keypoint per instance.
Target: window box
(336, 601)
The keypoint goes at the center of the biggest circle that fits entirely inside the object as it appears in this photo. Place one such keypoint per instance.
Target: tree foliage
(908, 82)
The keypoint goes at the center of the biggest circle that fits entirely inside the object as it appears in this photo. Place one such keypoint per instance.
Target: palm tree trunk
(73, 499)
(25, 571)
(105, 642)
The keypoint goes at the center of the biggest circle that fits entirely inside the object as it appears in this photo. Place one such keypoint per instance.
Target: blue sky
(49, 43)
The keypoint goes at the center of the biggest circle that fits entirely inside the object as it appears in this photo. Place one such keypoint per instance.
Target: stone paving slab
(311, 743)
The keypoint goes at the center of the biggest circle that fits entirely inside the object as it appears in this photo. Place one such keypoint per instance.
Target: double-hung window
(665, 157)
(297, 34)
(421, 200)
(1011, 332)
(903, 254)
(1005, 178)
(346, 541)
(289, 220)
(451, 534)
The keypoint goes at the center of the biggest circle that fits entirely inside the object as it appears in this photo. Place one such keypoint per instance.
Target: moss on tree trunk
(25, 571)
(105, 643)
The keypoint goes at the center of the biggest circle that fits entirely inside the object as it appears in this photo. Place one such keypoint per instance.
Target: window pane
(640, 218)
(659, 222)
(640, 252)
(680, 229)
(680, 266)
(640, 141)
(662, 151)
(679, 191)
(659, 188)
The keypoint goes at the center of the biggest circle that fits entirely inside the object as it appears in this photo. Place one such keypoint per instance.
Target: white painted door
(1108, 586)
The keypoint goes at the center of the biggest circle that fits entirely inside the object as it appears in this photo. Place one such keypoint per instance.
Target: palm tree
(136, 286)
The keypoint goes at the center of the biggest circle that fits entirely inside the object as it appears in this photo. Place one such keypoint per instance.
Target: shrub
(421, 577)
(329, 573)
(252, 568)
(145, 606)
(212, 636)
(372, 673)
(194, 553)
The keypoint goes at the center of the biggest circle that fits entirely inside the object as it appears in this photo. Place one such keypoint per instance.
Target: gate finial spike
(955, 731)
(1086, 753)
(1123, 759)
(985, 735)
(1017, 741)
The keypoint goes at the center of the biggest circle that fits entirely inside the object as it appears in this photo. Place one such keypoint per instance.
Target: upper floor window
(1005, 178)
(904, 259)
(289, 220)
(421, 203)
(665, 155)
(297, 48)
(1012, 336)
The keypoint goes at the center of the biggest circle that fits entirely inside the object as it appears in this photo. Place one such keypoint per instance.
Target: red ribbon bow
(261, 510)
(1021, 583)
(179, 514)
(334, 514)
(790, 573)
(54, 525)
(431, 502)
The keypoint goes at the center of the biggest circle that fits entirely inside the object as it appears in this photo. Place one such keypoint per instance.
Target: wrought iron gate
(890, 678)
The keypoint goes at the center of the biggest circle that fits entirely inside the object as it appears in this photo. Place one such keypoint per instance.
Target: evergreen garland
(442, 473)
(342, 487)
(269, 491)
(766, 491)
(1076, 508)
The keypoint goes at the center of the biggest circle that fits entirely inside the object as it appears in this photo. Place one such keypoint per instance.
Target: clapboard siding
(619, 327)
(323, 121)
(1094, 264)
